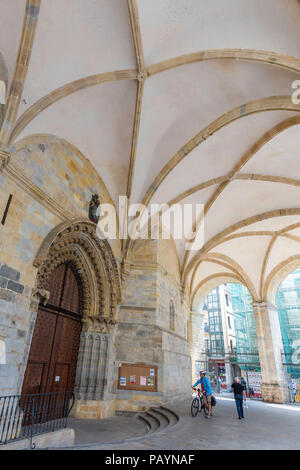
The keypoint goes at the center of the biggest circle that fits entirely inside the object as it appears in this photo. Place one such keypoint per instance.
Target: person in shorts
(206, 390)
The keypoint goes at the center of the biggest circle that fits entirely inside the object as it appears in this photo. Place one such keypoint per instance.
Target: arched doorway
(227, 341)
(74, 313)
(53, 354)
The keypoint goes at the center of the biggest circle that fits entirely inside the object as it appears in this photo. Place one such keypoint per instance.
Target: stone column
(92, 382)
(196, 338)
(228, 371)
(270, 347)
(91, 376)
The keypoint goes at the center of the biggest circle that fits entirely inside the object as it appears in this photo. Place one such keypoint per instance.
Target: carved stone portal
(77, 242)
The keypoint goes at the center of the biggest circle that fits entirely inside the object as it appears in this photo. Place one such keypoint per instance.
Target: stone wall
(60, 170)
(144, 332)
(175, 346)
(26, 225)
(48, 179)
(176, 364)
(15, 328)
(51, 182)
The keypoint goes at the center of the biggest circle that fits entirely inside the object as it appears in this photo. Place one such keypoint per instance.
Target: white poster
(123, 381)
(254, 382)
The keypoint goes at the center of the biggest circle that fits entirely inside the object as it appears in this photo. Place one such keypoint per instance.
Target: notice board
(138, 376)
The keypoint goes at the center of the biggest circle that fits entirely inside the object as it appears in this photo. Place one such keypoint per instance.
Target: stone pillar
(191, 341)
(196, 338)
(270, 347)
(229, 376)
(93, 399)
(91, 376)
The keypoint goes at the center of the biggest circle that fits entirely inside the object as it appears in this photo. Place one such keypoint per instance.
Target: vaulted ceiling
(172, 101)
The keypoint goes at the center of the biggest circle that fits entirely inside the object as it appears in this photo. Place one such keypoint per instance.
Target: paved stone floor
(104, 431)
(265, 426)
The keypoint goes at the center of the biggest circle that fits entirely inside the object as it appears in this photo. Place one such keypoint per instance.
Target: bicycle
(198, 403)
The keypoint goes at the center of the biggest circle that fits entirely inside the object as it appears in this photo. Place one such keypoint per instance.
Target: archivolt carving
(77, 242)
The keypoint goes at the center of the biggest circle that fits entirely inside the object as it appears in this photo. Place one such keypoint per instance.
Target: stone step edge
(151, 415)
(162, 411)
(146, 422)
(159, 412)
(176, 416)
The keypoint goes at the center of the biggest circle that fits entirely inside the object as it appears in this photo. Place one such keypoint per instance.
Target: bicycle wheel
(203, 407)
(195, 407)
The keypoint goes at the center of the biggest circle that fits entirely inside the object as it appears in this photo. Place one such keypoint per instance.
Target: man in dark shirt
(239, 396)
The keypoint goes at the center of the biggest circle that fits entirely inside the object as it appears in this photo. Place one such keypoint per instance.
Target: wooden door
(54, 349)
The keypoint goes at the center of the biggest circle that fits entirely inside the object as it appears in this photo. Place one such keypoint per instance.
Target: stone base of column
(93, 409)
(138, 401)
(275, 393)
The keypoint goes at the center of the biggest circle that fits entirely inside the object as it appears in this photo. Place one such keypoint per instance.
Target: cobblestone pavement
(265, 426)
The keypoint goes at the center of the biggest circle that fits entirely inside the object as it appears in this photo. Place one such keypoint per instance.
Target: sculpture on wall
(93, 206)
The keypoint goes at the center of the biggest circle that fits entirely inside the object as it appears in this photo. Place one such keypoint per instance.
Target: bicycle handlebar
(198, 390)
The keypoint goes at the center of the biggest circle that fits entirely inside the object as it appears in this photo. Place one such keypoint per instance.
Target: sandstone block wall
(26, 225)
(144, 331)
(53, 179)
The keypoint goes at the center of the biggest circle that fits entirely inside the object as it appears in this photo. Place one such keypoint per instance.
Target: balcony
(215, 352)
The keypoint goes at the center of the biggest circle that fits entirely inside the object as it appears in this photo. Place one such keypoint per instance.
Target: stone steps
(164, 419)
(158, 419)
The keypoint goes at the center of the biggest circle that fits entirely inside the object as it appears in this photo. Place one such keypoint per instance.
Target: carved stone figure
(94, 204)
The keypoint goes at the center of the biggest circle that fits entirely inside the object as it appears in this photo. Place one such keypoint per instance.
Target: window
(227, 299)
(172, 316)
(229, 323)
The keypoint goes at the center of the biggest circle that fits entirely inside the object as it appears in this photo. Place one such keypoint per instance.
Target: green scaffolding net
(288, 302)
(244, 325)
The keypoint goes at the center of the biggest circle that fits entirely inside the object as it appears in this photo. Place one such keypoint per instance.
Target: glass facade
(244, 325)
(242, 349)
(288, 302)
(216, 339)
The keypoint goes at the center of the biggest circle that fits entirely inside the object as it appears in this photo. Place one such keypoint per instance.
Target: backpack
(213, 401)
